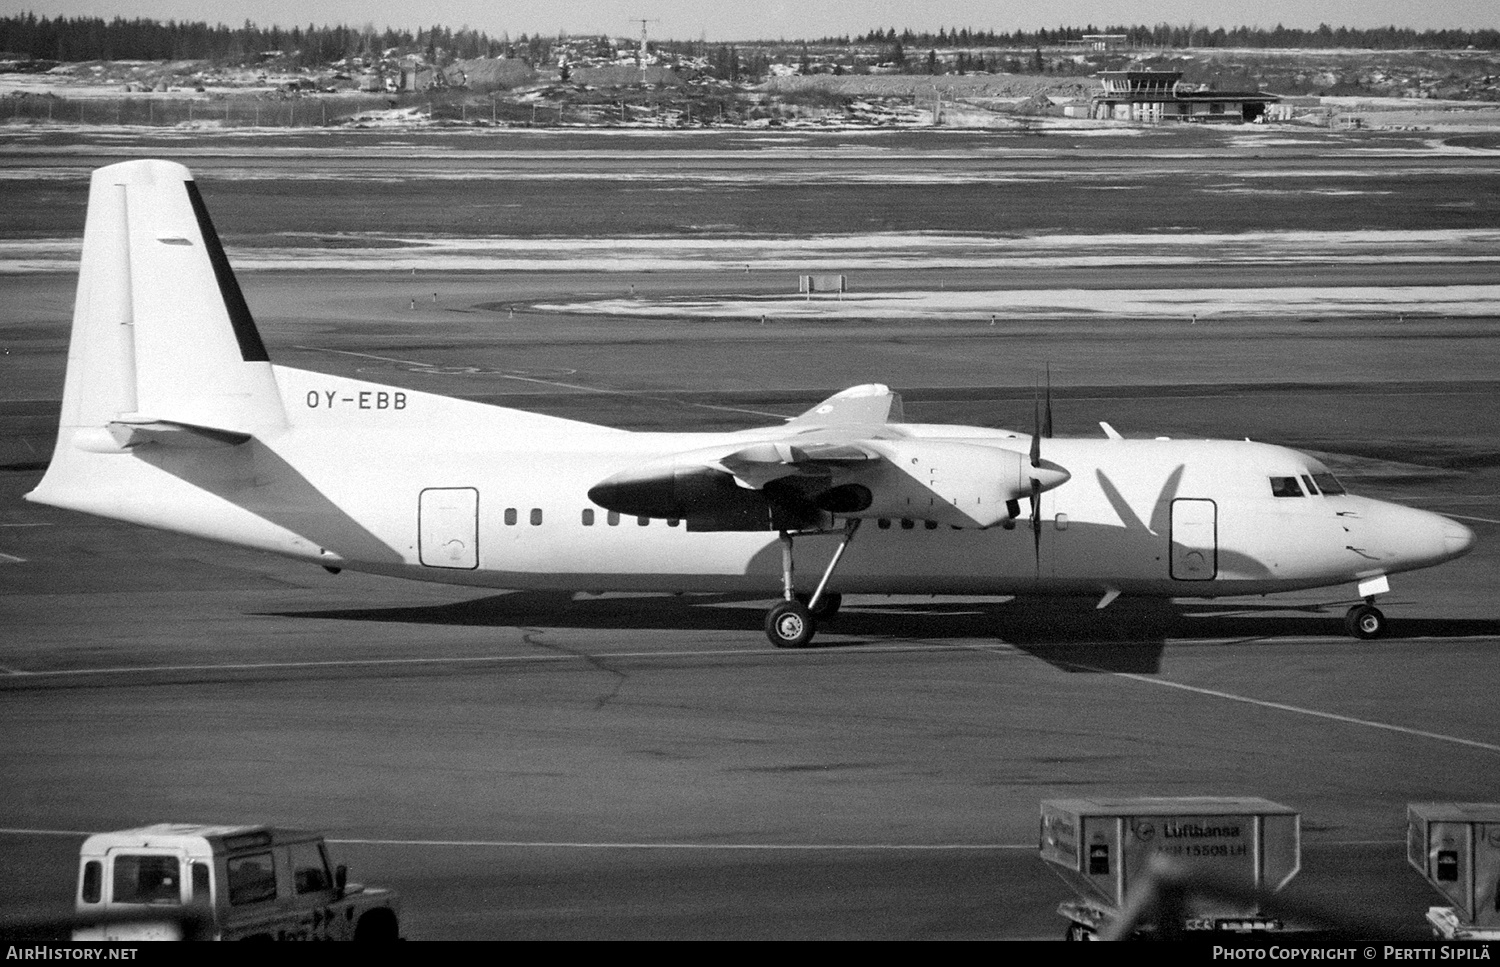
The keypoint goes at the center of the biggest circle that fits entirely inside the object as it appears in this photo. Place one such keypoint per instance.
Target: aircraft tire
(790, 625)
(828, 605)
(1365, 622)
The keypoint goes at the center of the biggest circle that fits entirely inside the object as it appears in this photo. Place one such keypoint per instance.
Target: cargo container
(1456, 845)
(1105, 848)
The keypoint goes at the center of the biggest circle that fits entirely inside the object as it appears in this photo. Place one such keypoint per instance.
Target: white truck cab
(175, 881)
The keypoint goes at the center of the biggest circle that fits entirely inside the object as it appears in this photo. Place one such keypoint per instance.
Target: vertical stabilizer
(161, 332)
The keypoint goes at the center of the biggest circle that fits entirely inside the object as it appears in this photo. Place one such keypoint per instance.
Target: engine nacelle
(705, 498)
(961, 484)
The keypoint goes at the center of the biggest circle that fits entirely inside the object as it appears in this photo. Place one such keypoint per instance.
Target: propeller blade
(1036, 436)
(1036, 523)
(1047, 422)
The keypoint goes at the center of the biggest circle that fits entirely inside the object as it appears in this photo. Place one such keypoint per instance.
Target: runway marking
(43, 832)
(766, 847)
(473, 659)
(11, 559)
(1332, 716)
(548, 382)
(1482, 520)
(43, 523)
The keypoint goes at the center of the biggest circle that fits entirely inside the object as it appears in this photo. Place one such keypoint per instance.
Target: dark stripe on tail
(252, 350)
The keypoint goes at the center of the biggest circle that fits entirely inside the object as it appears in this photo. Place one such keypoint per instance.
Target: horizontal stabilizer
(132, 434)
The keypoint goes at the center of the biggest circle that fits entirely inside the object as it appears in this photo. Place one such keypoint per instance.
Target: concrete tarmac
(531, 765)
(639, 766)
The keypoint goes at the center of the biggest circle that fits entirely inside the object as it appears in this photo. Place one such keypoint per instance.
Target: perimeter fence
(168, 111)
(341, 110)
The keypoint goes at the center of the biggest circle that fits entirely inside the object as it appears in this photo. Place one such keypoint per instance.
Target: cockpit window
(1307, 482)
(1285, 487)
(1328, 483)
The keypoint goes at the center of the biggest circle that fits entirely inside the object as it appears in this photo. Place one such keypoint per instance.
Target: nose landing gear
(1365, 621)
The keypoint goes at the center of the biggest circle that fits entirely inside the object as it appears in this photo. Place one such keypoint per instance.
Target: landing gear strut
(794, 620)
(1365, 621)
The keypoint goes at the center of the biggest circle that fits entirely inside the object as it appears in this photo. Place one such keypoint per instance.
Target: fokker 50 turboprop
(174, 417)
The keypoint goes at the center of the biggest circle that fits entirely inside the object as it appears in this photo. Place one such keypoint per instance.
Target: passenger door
(448, 527)
(1195, 539)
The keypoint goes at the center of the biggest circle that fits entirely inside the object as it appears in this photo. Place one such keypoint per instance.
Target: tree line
(1191, 35)
(94, 38)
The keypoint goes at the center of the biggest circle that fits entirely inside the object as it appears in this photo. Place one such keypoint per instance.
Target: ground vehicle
(174, 881)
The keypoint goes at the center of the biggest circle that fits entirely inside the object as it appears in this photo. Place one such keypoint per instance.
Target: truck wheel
(1077, 931)
(377, 925)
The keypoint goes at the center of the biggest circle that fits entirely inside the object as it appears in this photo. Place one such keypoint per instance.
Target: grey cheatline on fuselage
(174, 417)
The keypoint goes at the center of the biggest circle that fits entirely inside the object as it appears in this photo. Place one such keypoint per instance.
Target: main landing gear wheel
(1365, 621)
(828, 604)
(791, 625)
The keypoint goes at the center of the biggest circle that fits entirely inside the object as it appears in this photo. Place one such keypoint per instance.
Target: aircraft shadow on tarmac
(1123, 638)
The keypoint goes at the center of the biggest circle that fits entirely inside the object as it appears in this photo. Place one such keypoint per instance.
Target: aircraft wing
(759, 464)
(843, 457)
(866, 405)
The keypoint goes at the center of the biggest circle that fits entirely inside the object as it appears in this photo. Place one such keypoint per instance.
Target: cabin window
(907, 523)
(252, 879)
(510, 516)
(147, 879)
(536, 516)
(643, 521)
(588, 517)
(93, 882)
(673, 521)
(884, 523)
(1307, 482)
(1329, 484)
(613, 518)
(1285, 487)
(309, 870)
(930, 524)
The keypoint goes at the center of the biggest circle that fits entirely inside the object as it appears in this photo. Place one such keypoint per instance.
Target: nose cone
(1407, 538)
(1458, 538)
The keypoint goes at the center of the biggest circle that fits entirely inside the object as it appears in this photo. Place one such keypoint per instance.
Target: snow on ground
(1192, 306)
(829, 253)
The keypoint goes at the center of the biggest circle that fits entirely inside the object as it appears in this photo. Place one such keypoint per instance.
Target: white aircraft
(174, 417)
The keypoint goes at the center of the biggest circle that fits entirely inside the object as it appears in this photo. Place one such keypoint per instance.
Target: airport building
(1160, 96)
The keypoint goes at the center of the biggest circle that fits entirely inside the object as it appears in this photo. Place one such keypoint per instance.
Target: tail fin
(163, 344)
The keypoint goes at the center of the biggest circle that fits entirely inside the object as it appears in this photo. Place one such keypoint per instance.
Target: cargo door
(448, 527)
(1195, 539)
(148, 881)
